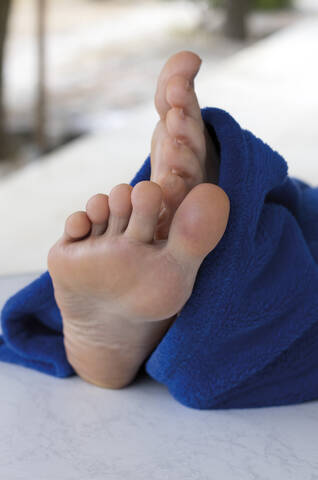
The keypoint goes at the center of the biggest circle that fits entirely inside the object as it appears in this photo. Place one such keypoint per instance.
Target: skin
(126, 266)
(180, 143)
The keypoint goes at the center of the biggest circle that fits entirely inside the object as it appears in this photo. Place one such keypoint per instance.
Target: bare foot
(116, 287)
(183, 153)
(119, 275)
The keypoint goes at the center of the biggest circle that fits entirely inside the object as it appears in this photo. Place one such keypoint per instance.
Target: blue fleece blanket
(248, 336)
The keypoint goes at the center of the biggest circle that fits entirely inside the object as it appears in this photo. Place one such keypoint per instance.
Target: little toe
(77, 226)
(180, 93)
(120, 209)
(146, 200)
(97, 210)
(199, 223)
(186, 130)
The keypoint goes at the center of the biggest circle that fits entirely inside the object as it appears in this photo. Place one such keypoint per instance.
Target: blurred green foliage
(271, 4)
(260, 4)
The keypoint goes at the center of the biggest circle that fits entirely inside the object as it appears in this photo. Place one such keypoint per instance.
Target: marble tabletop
(67, 429)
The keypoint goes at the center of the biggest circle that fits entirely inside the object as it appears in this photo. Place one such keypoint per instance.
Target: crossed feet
(124, 268)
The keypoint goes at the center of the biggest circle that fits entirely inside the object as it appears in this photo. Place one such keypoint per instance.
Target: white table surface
(67, 429)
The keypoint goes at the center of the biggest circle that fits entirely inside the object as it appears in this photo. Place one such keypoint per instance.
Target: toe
(120, 208)
(146, 200)
(157, 139)
(186, 64)
(180, 171)
(77, 226)
(179, 159)
(180, 93)
(175, 167)
(199, 223)
(186, 130)
(98, 212)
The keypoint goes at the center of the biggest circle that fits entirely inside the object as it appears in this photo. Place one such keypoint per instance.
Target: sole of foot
(117, 288)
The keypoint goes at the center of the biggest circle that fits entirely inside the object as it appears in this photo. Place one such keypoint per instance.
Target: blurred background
(77, 80)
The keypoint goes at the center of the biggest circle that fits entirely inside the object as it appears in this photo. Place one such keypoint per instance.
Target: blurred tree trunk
(4, 15)
(40, 120)
(236, 17)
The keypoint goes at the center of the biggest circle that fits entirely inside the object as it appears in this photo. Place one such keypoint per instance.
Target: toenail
(179, 173)
(181, 113)
(176, 143)
(163, 209)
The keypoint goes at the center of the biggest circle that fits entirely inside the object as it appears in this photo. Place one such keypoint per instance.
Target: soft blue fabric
(248, 336)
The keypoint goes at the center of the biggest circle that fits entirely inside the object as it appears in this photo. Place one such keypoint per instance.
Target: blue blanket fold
(248, 335)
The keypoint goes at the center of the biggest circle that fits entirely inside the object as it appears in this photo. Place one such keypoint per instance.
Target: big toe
(185, 64)
(199, 223)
